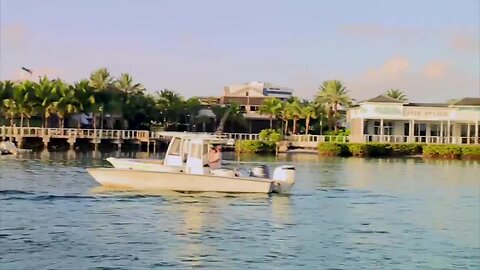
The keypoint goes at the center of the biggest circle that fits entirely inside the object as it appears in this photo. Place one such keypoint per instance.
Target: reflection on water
(344, 213)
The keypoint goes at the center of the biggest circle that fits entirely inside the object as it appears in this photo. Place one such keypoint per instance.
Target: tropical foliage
(396, 94)
(271, 107)
(104, 97)
(333, 94)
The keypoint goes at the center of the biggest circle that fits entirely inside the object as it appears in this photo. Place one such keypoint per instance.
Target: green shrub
(442, 151)
(333, 149)
(270, 135)
(471, 152)
(254, 146)
(358, 149)
(345, 132)
(406, 149)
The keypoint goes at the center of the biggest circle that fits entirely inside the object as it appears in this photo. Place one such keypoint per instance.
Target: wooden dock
(71, 135)
(96, 136)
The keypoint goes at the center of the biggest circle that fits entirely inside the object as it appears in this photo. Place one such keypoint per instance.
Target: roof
(468, 101)
(427, 104)
(383, 99)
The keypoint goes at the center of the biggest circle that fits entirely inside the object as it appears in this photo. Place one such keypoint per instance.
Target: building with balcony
(250, 96)
(382, 119)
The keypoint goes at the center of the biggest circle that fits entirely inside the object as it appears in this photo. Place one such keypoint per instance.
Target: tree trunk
(330, 118)
(286, 127)
(21, 120)
(46, 120)
(94, 121)
(335, 116)
(271, 122)
(294, 126)
(28, 121)
(307, 124)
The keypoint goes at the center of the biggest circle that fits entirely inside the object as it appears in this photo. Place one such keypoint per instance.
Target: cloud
(465, 43)
(463, 40)
(392, 68)
(378, 30)
(435, 81)
(435, 69)
(14, 34)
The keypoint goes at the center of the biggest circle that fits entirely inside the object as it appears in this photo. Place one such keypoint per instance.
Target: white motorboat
(175, 156)
(193, 175)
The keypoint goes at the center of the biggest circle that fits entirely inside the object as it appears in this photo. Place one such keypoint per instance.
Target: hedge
(368, 149)
(451, 151)
(333, 149)
(388, 150)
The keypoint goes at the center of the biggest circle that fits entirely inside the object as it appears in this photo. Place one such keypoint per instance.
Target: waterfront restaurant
(383, 119)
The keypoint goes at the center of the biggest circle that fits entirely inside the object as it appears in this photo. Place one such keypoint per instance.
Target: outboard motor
(8, 147)
(284, 178)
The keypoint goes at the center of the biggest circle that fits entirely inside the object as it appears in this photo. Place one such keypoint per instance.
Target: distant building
(250, 96)
(383, 119)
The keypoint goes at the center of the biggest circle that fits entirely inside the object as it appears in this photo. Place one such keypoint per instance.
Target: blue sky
(429, 49)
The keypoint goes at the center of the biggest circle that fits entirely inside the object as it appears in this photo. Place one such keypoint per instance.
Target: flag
(27, 70)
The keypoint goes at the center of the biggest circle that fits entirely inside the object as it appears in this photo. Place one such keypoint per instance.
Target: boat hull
(148, 180)
(153, 165)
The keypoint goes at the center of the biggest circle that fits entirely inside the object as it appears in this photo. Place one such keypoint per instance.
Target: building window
(376, 128)
(243, 109)
(246, 93)
(434, 130)
(253, 108)
(388, 128)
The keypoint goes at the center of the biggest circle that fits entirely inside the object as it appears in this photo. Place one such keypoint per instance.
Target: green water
(342, 214)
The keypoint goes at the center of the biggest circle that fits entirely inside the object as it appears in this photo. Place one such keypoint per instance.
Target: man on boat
(215, 157)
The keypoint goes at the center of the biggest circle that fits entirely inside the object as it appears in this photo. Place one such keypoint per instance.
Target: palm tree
(100, 81)
(309, 112)
(8, 107)
(295, 111)
(45, 95)
(25, 100)
(11, 109)
(271, 107)
(65, 102)
(125, 84)
(333, 93)
(396, 94)
(192, 106)
(285, 116)
(170, 105)
(85, 96)
(235, 115)
(139, 109)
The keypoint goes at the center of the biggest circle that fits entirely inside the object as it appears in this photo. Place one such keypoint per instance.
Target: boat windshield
(196, 151)
(175, 147)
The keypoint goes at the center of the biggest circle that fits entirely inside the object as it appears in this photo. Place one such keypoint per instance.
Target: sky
(429, 49)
